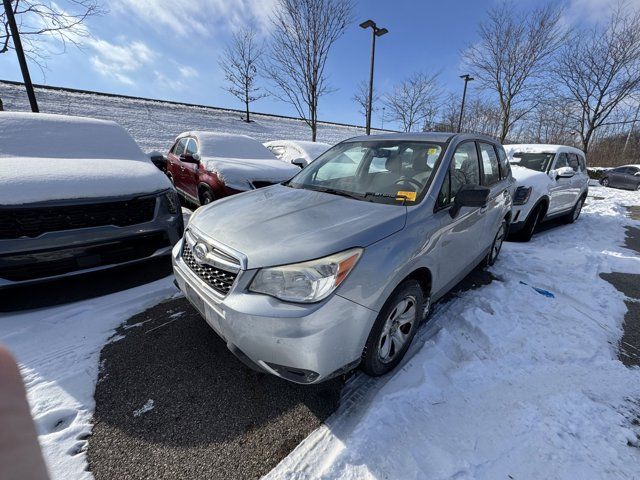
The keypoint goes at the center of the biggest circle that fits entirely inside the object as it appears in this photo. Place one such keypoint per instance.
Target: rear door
(616, 177)
(499, 184)
(461, 239)
(560, 195)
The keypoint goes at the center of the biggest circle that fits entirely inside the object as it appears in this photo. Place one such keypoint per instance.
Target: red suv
(205, 166)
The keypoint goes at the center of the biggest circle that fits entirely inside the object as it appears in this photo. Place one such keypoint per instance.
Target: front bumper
(303, 343)
(54, 255)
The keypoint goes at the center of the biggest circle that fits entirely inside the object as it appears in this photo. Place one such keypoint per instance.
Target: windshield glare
(393, 172)
(533, 161)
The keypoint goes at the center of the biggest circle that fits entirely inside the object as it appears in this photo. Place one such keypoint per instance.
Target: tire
(530, 225)
(393, 332)
(206, 197)
(496, 246)
(604, 182)
(575, 212)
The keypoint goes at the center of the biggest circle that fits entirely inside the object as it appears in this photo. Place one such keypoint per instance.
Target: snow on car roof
(538, 148)
(229, 145)
(42, 135)
(311, 149)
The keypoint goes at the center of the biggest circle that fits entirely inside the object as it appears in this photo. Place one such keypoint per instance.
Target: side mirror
(469, 196)
(299, 162)
(565, 172)
(190, 158)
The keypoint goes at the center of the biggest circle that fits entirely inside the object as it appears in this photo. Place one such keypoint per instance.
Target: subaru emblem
(200, 251)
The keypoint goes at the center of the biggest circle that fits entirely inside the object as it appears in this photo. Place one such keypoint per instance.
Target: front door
(560, 192)
(461, 240)
(190, 170)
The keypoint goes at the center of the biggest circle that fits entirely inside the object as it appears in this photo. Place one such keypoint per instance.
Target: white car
(297, 152)
(551, 182)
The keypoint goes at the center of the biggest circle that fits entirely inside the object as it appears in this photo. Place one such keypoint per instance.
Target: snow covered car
(206, 166)
(335, 269)
(78, 195)
(626, 176)
(551, 182)
(297, 152)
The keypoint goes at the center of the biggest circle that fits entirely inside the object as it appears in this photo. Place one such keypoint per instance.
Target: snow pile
(58, 350)
(54, 157)
(147, 407)
(540, 181)
(509, 383)
(293, 150)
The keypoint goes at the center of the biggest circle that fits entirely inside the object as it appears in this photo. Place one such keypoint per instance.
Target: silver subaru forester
(338, 266)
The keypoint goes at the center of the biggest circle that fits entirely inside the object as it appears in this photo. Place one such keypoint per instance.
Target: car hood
(238, 173)
(31, 180)
(527, 177)
(279, 225)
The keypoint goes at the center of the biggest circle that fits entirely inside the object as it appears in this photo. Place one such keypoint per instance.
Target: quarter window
(505, 168)
(444, 197)
(574, 162)
(490, 164)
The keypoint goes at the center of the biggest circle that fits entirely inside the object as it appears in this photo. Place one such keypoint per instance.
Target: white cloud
(595, 10)
(187, 72)
(204, 17)
(121, 61)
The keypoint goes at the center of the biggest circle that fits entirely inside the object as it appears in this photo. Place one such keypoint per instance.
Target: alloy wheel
(605, 182)
(397, 329)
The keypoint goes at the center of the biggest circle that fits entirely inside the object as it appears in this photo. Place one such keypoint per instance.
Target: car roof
(541, 148)
(437, 137)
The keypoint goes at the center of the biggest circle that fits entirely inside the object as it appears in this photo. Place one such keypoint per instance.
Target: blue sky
(169, 49)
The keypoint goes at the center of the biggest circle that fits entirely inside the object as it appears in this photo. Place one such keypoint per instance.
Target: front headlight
(172, 201)
(306, 282)
(522, 195)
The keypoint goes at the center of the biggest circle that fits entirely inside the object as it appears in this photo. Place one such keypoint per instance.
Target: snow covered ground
(508, 383)
(502, 381)
(154, 125)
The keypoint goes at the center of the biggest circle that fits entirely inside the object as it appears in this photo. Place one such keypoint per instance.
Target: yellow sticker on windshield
(432, 151)
(410, 196)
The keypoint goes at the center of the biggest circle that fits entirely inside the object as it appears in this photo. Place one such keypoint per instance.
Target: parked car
(78, 195)
(627, 176)
(297, 152)
(206, 166)
(551, 182)
(335, 268)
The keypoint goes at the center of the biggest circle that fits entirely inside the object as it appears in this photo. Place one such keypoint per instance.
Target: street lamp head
(368, 24)
(467, 77)
(381, 31)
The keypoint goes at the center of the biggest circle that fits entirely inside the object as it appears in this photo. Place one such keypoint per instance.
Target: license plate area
(194, 299)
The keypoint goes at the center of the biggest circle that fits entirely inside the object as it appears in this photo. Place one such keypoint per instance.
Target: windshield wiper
(333, 191)
(386, 195)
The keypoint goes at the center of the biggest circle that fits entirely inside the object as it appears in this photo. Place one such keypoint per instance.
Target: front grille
(261, 184)
(34, 221)
(47, 263)
(220, 280)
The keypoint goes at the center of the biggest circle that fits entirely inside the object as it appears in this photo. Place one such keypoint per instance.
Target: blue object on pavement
(546, 293)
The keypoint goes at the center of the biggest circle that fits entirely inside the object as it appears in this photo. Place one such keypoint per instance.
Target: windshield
(394, 172)
(533, 161)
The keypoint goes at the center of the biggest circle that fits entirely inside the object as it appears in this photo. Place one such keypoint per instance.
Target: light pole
(467, 78)
(383, 109)
(375, 32)
(17, 44)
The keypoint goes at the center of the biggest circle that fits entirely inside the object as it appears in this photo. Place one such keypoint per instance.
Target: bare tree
(303, 34)
(361, 98)
(239, 62)
(512, 54)
(600, 70)
(413, 101)
(39, 19)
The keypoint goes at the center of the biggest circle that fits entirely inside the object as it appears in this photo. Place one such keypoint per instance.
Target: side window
(192, 147)
(444, 197)
(465, 168)
(489, 164)
(583, 164)
(573, 162)
(562, 161)
(178, 149)
(505, 168)
(633, 170)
